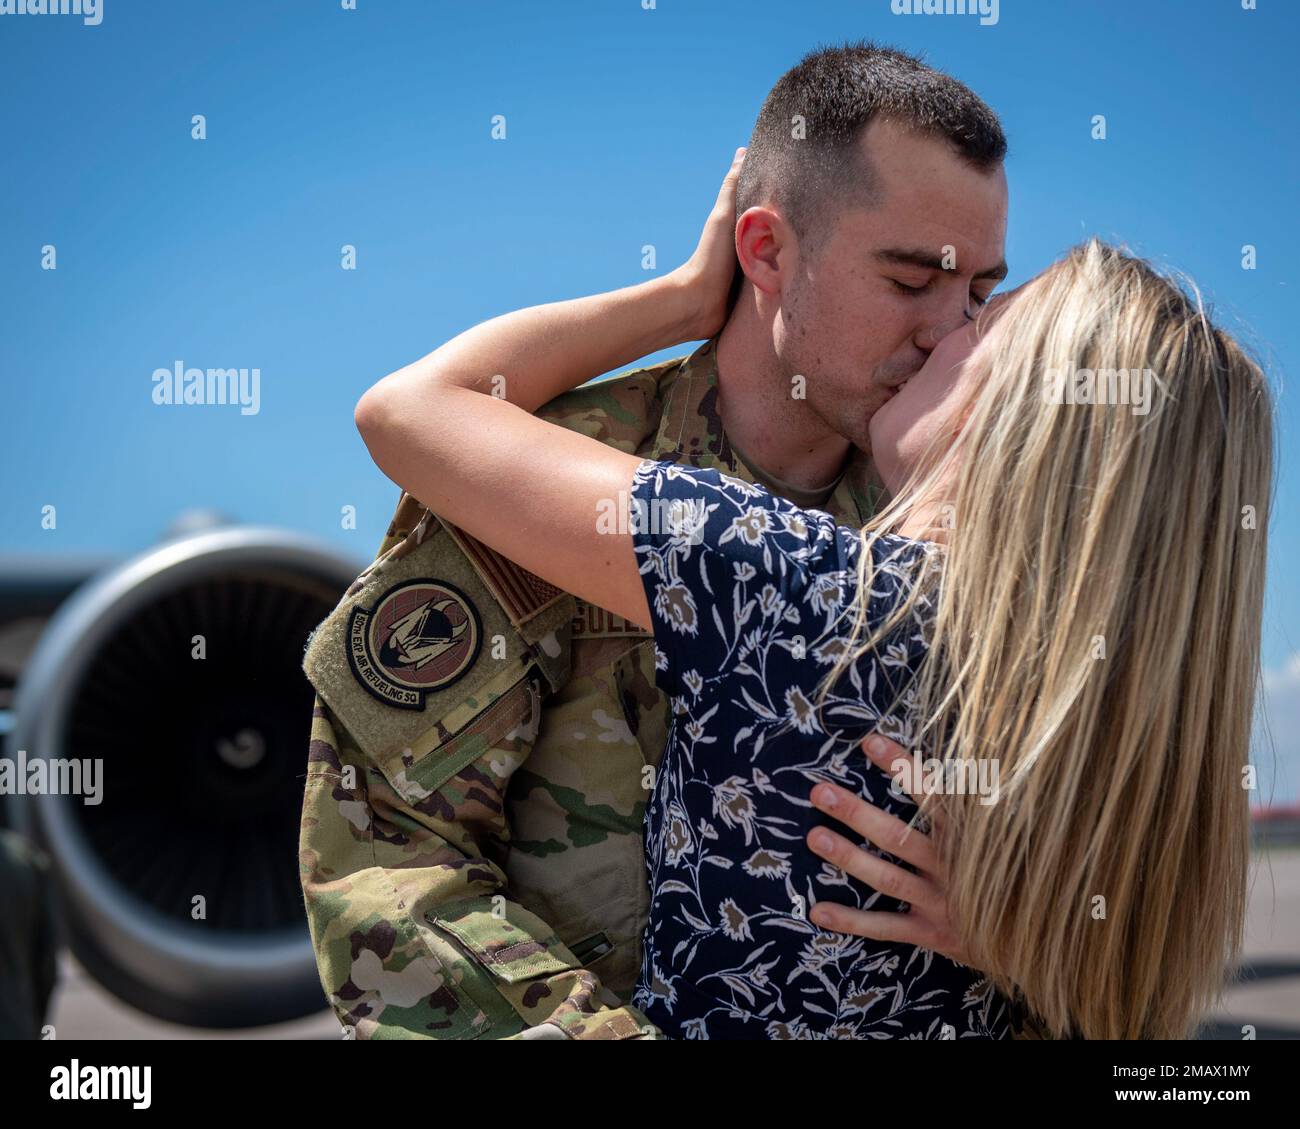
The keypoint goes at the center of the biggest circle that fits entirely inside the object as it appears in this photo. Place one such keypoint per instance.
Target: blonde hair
(1097, 630)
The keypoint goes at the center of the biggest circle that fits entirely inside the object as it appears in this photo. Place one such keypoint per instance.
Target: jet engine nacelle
(174, 684)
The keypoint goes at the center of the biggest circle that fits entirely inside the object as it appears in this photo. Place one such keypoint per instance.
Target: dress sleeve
(718, 556)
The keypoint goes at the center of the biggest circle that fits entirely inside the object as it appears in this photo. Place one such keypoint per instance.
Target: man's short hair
(803, 155)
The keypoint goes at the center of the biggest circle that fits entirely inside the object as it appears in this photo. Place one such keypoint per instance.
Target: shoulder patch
(420, 648)
(421, 635)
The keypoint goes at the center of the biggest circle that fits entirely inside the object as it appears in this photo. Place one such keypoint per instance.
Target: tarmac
(1265, 1002)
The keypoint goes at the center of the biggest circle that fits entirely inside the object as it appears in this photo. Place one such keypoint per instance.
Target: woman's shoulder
(682, 508)
(678, 507)
(728, 567)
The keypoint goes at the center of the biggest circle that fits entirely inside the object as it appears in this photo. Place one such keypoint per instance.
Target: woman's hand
(453, 429)
(926, 923)
(532, 355)
(708, 274)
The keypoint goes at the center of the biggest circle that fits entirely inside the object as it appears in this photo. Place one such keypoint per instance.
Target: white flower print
(686, 518)
(827, 592)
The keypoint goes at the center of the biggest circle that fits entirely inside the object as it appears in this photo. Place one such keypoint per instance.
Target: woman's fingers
(886, 831)
(903, 928)
(902, 767)
(727, 193)
(894, 760)
(709, 274)
(880, 874)
(919, 927)
(716, 250)
(926, 924)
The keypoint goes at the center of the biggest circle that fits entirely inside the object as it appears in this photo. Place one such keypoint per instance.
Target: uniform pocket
(506, 942)
(505, 956)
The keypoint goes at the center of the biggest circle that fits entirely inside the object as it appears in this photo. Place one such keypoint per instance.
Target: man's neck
(762, 417)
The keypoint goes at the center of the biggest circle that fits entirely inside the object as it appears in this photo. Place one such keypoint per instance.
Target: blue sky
(372, 127)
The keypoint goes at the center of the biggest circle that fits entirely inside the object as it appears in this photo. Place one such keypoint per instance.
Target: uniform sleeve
(415, 932)
(712, 550)
(404, 817)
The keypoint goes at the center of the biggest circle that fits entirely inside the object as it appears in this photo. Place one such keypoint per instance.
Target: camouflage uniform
(482, 752)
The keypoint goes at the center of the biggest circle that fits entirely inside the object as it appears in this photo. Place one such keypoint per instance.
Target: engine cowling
(180, 672)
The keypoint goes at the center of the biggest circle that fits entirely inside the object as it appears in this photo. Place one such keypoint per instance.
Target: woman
(1067, 592)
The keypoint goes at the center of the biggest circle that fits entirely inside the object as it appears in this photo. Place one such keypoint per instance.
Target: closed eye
(915, 291)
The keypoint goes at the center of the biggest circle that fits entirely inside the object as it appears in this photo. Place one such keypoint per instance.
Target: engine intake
(180, 672)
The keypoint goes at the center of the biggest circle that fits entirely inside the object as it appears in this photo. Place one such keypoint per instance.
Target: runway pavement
(1268, 996)
(1267, 999)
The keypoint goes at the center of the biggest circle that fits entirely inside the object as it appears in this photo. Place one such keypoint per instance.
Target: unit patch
(422, 635)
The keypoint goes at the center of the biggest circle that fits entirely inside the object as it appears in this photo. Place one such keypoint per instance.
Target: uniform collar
(691, 432)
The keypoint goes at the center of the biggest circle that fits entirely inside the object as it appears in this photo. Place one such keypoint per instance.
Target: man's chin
(856, 428)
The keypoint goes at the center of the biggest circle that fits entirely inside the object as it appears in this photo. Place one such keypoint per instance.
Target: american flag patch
(521, 593)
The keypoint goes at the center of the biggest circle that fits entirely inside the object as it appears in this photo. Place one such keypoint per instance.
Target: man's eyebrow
(928, 260)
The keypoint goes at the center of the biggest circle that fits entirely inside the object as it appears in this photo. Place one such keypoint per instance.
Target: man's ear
(764, 243)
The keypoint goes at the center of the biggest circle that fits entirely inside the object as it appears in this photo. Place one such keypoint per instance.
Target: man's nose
(931, 335)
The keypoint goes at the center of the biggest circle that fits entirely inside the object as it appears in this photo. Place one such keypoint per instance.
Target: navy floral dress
(749, 595)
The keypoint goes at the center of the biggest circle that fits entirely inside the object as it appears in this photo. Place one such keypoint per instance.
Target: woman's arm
(530, 356)
(453, 429)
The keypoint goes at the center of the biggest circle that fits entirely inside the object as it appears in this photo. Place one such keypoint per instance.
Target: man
(483, 745)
